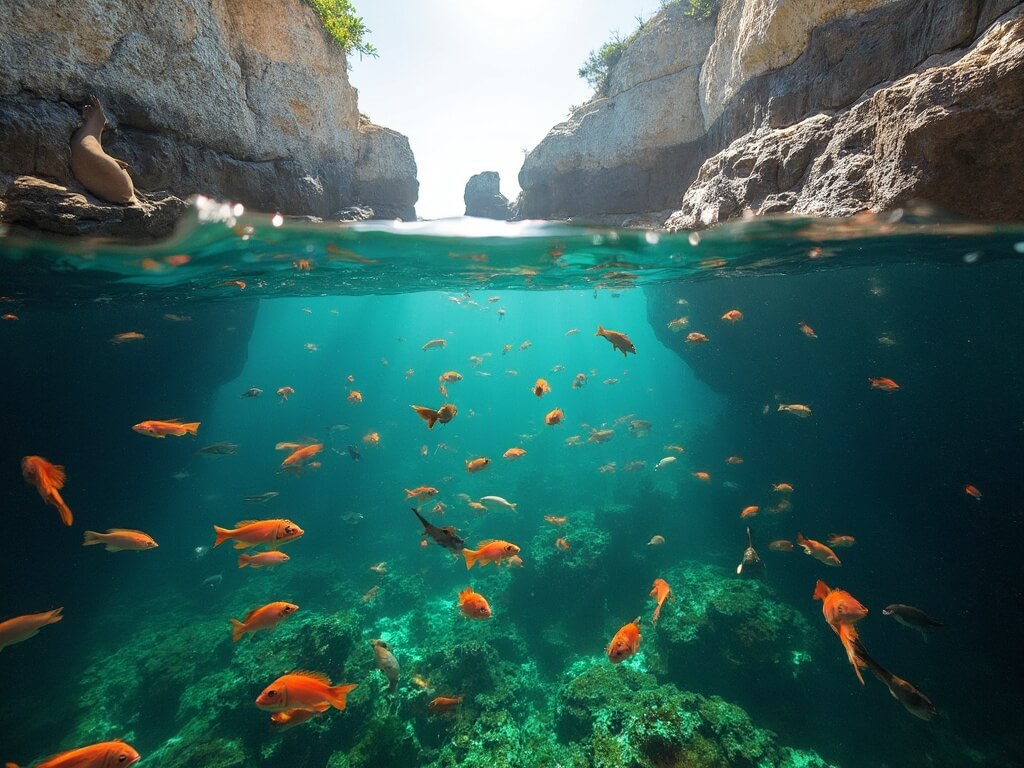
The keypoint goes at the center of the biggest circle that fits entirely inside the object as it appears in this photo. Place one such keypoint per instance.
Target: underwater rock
(484, 199)
(36, 204)
(929, 135)
(722, 628)
(623, 717)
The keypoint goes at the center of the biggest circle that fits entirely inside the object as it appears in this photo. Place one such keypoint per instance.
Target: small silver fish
(252, 392)
(213, 581)
(261, 498)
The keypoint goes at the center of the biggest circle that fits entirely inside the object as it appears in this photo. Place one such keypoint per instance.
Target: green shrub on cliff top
(340, 20)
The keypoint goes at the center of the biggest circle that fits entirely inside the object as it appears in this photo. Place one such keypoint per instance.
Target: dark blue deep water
(144, 651)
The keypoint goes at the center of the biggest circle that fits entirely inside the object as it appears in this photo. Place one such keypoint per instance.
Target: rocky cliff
(809, 105)
(241, 100)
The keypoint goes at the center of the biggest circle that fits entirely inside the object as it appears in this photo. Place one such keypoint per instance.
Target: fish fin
(250, 614)
(821, 590)
(243, 545)
(237, 630)
(91, 537)
(223, 534)
(55, 615)
(191, 428)
(242, 523)
(318, 676)
(243, 560)
(848, 637)
(514, 507)
(471, 556)
(321, 707)
(464, 594)
(338, 694)
(65, 512)
(924, 635)
(113, 548)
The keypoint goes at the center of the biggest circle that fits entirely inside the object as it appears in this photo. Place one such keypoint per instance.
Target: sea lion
(103, 175)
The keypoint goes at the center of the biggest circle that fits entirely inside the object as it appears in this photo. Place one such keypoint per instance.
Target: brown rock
(35, 204)
(950, 133)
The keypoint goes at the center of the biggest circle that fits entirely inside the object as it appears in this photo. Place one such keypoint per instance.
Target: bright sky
(474, 83)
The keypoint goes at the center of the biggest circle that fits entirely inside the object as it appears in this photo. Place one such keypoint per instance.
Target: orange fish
(49, 479)
(121, 338)
(477, 506)
(266, 617)
(120, 539)
(704, 477)
(289, 718)
(355, 396)
(750, 511)
(284, 393)
(473, 605)
(450, 376)
(475, 465)
(656, 541)
(541, 387)
(9, 316)
(798, 410)
(781, 545)
(444, 414)
(433, 343)
(239, 283)
(678, 324)
(601, 435)
(106, 754)
(554, 417)
(619, 341)
(696, 338)
(161, 429)
(250, 533)
(674, 448)
(818, 551)
(555, 520)
(489, 551)
(883, 384)
(23, 627)
(371, 438)
(525, 345)
(842, 610)
(302, 454)
(444, 703)
(807, 330)
(513, 453)
(782, 488)
(421, 493)
(561, 543)
(270, 559)
(303, 690)
(625, 643)
(970, 490)
(732, 316)
(660, 592)
(840, 542)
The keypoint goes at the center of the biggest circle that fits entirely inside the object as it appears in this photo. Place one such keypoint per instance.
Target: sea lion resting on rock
(104, 176)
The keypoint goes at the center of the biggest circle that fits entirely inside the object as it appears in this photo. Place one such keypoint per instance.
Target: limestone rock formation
(484, 199)
(949, 133)
(792, 73)
(40, 205)
(242, 101)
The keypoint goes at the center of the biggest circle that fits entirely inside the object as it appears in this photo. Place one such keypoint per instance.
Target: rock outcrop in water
(812, 107)
(484, 199)
(247, 102)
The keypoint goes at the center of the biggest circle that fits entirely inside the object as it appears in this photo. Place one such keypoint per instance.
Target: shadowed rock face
(483, 197)
(247, 103)
(687, 89)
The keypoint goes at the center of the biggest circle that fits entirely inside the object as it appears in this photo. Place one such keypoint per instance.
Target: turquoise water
(736, 672)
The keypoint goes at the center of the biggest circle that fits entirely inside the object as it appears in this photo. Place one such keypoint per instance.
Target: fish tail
(237, 628)
(471, 556)
(848, 637)
(336, 695)
(223, 534)
(91, 537)
(191, 428)
(600, 330)
(821, 590)
(65, 512)
(657, 613)
(243, 560)
(431, 419)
